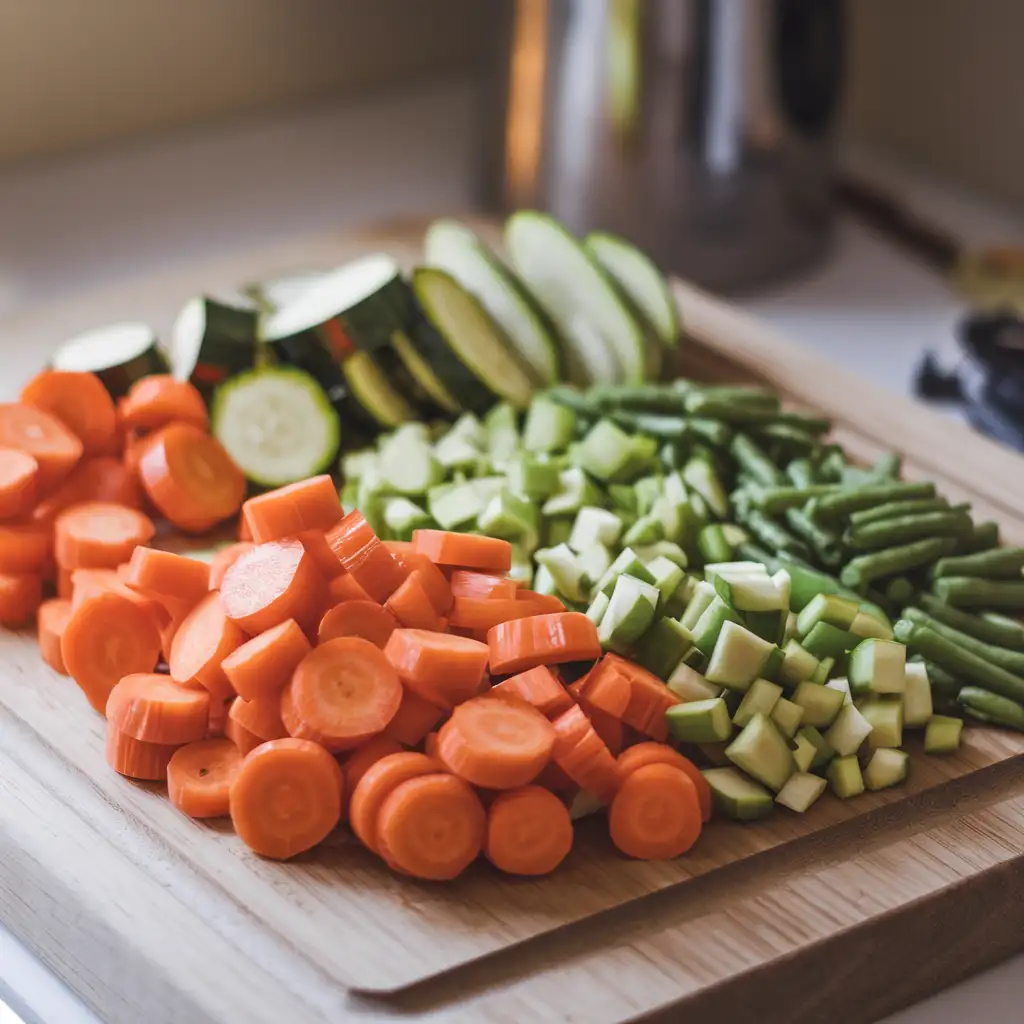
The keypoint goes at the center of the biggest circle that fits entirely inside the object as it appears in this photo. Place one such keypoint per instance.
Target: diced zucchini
(557, 531)
(700, 721)
(885, 716)
(886, 768)
(646, 491)
(469, 428)
(804, 752)
(594, 526)
(842, 684)
(509, 517)
(759, 699)
(408, 465)
(866, 624)
(689, 685)
(355, 464)
(700, 475)
(703, 595)
(767, 625)
(544, 582)
(820, 704)
(798, 665)
(502, 427)
(576, 490)
(845, 778)
(667, 576)
(662, 647)
(737, 658)
(401, 516)
(607, 452)
(823, 752)
(942, 735)
(453, 505)
(531, 478)
(598, 607)
(773, 666)
(549, 426)
(917, 696)
(737, 797)
(623, 498)
(849, 730)
(595, 561)
(800, 791)
(646, 530)
(877, 666)
(715, 569)
(749, 593)
(626, 563)
(787, 717)
(831, 608)
(715, 753)
(565, 570)
(824, 670)
(629, 615)
(662, 549)
(709, 625)
(761, 751)
(827, 641)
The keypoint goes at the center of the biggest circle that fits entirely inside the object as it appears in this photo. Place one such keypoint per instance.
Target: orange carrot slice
(432, 580)
(190, 478)
(362, 554)
(540, 687)
(467, 583)
(364, 619)
(260, 716)
(156, 709)
(400, 548)
(656, 813)
(107, 638)
(199, 777)
(80, 402)
(650, 752)
(608, 728)
(345, 588)
(102, 478)
(137, 759)
(289, 511)
(51, 618)
(20, 596)
(496, 743)
(54, 447)
(99, 535)
(342, 693)
(285, 797)
(155, 401)
(481, 614)
(240, 736)
(464, 550)
(86, 582)
(555, 779)
(224, 559)
(583, 755)
(262, 666)
(542, 604)
(431, 827)
(205, 637)
(359, 762)
(165, 574)
(441, 668)
(24, 547)
(542, 640)
(414, 719)
(376, 785)
(529, 831)
(410, 604)
(18, 472)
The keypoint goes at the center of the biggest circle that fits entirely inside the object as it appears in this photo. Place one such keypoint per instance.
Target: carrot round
(99, 535)
(656, 813)
(107, 638)
(555, 779)
(18, 473)
(467, 583)
(431, 579)
(542, 640)
(137, 759)
(55, 448)
(242, 738)
(261, 716)
(199, 777)
(649, 752)
(224, 559)
(103, 478)
(155, 708)
(540, 687)
(24, 547)
(364, 619)
(86, 582)
(345, 588)
(20, 596)
(80, 402)
(262, 666)
(166, 574)
(649, 699)
(431, 827)
(411, 605)
(190, 478)
(155, 401)
(400, 548)
(362, 554)
(441, 668)
(51, 619)
(271, 583)
(583, 755)
(359, 762)
(342, 693)
(464, 550)
(529, 831)
(205, 637)
(414, 719)
(311, 504)
(496, 742)
(376, 785)
(541, 604)
(608, 728)
(285, 797)
(481, 614)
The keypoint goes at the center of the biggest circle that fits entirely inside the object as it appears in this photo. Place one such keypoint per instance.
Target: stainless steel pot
(700, 129)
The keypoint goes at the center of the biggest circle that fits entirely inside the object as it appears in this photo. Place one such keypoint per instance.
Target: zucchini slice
(455, 248)
(212, 341)
(472, 335)
(277, 424)
(604, 343)
(119, 354)
(273, 293)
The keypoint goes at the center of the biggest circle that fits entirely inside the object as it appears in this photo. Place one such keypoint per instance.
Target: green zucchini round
(119, 354)
(212, 341)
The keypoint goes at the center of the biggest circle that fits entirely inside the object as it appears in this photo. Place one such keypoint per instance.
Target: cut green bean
(958, 661)
(991, 707)
(894, 561)
(832, 465)
(638, 398)
(790, 438)
(943, 683)
(773, 500)
(983, 537)
(1012, 661)
(841, 505)
(909, 507)
(998, 564)
(572, 399)
(900, 591)
(827, 545)
(887, 533)
(968, 592)
(992, 629)
(659, 425)
(816, 426)
(715, 432)
(802, 473)
(732, 405)
(774, 536)
(751, 458)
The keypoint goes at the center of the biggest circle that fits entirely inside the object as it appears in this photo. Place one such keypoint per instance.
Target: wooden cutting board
(845, 913)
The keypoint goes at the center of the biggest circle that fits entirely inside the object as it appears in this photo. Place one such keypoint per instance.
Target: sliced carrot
(65, 584)
(155, 401)
(364, 619)
(176, 615)
(244, 533)
(496, 742)
(362, 554)
(320, 551)
(481, 614)
(414, 719)
(99, 535)
(271, 583)
(430, 745)
(359, 762)
(431, 827)
(165, 574)
(54, 447)
(205, 637)
(555, 779)
(103, 478)
(199, 777)
(225, 558)
(441, 668)
(607, 689)
(432, 579)
(542, 640)
(18, 472)
(156, 709)
(239, 735)
(137, 759)
(261, 716)
(649, 699)
(608, 728)
(106, 638)
(342, 693)
(286, 797)
(376, 785)
(262, 666)
(650, 752)
(51, 618)
(345, 588)
(464, 550)
(542, 604)
(656, 813)
(86, 582)
(311, 504)
(529, 831)
(80, 402)
(583, 755)
(467, 583)
(24, 547)
(220, 708)
(410, 604)
(400, 548)
(540, 687)
(20, 596)
(190, 478)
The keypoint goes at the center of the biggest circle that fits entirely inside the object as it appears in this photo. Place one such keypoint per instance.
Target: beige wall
(941, 83)
(79, 72)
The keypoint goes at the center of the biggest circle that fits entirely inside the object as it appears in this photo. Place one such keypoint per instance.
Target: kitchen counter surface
(90, 221)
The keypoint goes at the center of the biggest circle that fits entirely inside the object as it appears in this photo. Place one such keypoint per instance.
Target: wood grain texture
(138, 907)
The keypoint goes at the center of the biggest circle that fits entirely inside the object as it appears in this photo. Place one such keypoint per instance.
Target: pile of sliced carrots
(311, 673)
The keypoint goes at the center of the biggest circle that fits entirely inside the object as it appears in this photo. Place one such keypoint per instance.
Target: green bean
(1012, 661)
(998, 564)
(774, 536)
(802, 473)
(969, 592)
(827, 545)
(992, 629)
(671, 428)
(715, 432)
(731, 409)
(751, 552)
(816, 426)
(943, 683)
(983, 537)
(742, 395)
(886, 533)
(900, 591)
(751, 458)
(886, 467)
(893, 561)
(991, 707)
(713, 544)
(575, 400)
(841, 505)
(642, 398)
(789, 438)
(832, 465)
(774, 500)
(957, 661)
(892, 509)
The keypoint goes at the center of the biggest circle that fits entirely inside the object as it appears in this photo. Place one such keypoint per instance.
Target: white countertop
(94, 219)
